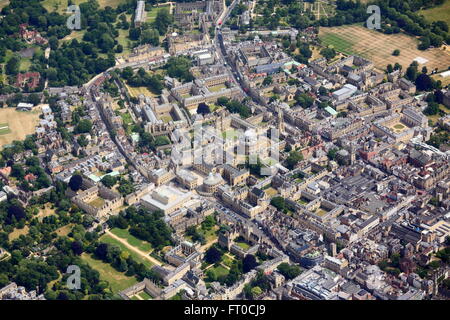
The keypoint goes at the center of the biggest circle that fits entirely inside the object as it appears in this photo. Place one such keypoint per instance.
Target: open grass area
(126, 118)
(18, 232)
(217, 88)
(64, 231)
(60, 6)
(126, 43)
(118, 281)
(230, 134)
(151, 15)
(132, 240)
(97, 202)
(218, 271)
(136, 91)
(320, 212)
(378, 47)
(271, 192)
(46, 212)
(145, 296)
(227, 260)
(4, 128)
(20, 124)
(167, 118)
(438, 13)
(244, 245)
(138, 258)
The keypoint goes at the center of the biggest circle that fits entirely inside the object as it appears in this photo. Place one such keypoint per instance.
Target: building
(345, 92)
(166, 199)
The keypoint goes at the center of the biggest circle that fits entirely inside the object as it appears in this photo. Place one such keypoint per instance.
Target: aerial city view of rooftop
(248, 150)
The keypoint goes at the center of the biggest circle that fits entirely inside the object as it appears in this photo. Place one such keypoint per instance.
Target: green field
(97, 203)
(151, 15)
(61, 5)
(126, 118)
(219, 271)
(244, 245)
(439, 13)
(118, 281)
(137, 257)
(4, 128)
(338, 43)
(132, 240)
(144, 295)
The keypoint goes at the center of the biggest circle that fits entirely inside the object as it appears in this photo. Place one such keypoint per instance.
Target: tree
(84, 126)
(109, 181)
(328, 53)
(102, 251)
(16, 213)
(288, 271)
(293, 158)
(396, 52)
(150, 36)
(213, 255)
(12, 67)
(256, 291)
(389, 68)
(249, 263)
(162, 21)
(76, 182)
(203, 108)
(279, 203)
(77, 247)
(267, 80)
(424, 82)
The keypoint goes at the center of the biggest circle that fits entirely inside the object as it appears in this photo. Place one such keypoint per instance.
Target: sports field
(378, 47)
(439, 13)
(19, 124)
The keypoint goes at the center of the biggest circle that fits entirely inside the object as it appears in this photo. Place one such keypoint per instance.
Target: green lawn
(439, 13)
(151, 15)
(118, 281)
(226, 260)
(132, 240)
(242, 244)
(219, 271)
(137, 257)
(144, 295)
(338, 43)
(126, 118)
(4, 128)
(97, 203)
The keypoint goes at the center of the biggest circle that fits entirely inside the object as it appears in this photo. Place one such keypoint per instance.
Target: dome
(213, 179)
